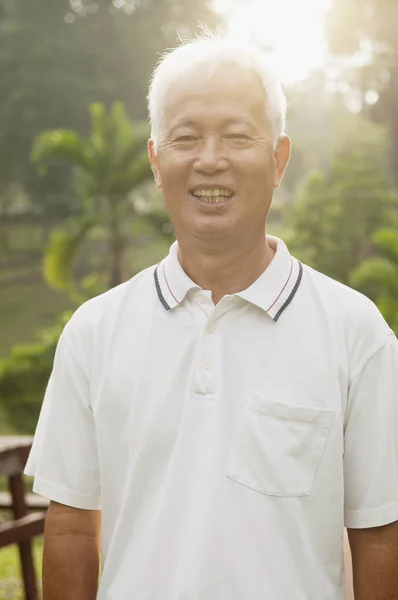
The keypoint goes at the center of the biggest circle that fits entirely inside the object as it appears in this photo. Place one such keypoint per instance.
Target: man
(229, 411)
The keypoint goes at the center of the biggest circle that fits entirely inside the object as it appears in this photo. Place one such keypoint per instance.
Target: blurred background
(79, 212)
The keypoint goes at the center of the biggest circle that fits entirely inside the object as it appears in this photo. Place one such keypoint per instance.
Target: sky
(294, 28)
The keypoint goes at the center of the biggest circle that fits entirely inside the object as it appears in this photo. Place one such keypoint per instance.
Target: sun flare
(293, 28)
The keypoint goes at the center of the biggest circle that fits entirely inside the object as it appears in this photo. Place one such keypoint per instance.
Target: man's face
(216, 163)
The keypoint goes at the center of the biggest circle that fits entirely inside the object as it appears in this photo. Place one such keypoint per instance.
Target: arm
(71, 553)
(375, 562)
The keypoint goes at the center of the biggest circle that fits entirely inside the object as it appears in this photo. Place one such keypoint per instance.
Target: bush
(24, 376)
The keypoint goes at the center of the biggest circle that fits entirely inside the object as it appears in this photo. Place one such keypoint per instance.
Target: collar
(273, 291)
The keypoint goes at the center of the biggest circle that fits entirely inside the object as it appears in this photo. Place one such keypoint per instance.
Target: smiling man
(218, 165)
(215, 422)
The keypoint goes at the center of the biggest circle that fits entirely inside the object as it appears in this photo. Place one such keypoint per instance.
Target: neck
(223, 270)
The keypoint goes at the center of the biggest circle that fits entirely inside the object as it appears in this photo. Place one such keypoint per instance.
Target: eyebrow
(190, 123)
(181, 124)
(238, 121)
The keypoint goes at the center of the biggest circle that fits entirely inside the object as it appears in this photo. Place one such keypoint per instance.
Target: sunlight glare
(293, 28)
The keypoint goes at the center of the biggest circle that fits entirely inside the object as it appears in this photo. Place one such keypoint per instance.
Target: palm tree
(377, 276)
(108, 165)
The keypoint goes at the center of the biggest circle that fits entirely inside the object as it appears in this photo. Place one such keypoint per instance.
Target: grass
(11, 586)
(24, 309)
(8, 275)
(5, 428)
(27, 304)
(4, 486)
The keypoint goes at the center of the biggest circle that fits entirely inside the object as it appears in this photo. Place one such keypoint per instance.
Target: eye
(237, 136)
(186, 138)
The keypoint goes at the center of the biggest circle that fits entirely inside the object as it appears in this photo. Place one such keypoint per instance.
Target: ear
(154, 160)
(282, 157)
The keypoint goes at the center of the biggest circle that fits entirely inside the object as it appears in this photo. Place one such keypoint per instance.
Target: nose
(211, 158)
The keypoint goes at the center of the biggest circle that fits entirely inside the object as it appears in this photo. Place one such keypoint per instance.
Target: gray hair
(214, 50)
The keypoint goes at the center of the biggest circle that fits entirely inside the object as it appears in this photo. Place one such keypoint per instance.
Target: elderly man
(213, 424)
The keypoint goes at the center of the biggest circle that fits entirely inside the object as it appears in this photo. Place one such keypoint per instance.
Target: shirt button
(208, 364)
(211, 328)
(202, 300)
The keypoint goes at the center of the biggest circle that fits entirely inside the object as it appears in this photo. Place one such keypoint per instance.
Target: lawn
(27, 304)
(11, 587)
(25, 308)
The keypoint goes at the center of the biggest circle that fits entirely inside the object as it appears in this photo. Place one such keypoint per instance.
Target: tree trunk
(116, 244)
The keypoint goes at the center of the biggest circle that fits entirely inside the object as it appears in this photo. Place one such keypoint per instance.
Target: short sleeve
(371, 441)
(64, 456)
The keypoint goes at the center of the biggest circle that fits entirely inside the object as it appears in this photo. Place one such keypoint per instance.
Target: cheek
(175, 171)
(254, 170)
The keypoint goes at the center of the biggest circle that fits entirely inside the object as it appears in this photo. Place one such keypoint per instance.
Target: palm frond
(62, 145)
(137, 173)
(62, 251)
(136, 149)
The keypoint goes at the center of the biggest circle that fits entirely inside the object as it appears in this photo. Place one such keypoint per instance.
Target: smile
(212, 196)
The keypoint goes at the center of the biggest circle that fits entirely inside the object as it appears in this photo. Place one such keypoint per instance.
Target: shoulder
(102, 310)
(346, 303)
(350, 314)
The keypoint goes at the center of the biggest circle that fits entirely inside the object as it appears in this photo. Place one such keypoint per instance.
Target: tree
(35, 91)
(338, 211)
(317, 128)
(58, 57)
(377, 277)
(370, 26)
(108, 165)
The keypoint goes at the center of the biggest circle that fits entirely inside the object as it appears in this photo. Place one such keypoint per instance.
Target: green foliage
(58, 57)
(24, 376)
(377, 277)
(109, 165)
(60, 144)
(62, 252)
(386, 240)
(370, 26)
(111, 162)
(338, 211)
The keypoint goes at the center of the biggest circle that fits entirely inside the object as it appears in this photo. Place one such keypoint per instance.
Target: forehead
(227, 92)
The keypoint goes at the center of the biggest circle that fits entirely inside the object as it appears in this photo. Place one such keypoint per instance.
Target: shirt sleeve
(64, 456)
(371, 441)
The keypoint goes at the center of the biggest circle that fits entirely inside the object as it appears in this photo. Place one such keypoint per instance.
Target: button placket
(211, 328)
(208, 349)
(205, 369)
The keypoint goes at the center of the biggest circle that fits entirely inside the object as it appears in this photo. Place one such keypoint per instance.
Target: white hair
(214, 50)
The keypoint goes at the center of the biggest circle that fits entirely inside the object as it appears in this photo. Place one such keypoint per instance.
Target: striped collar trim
(288, 291)
(273, 291)
(171, 282)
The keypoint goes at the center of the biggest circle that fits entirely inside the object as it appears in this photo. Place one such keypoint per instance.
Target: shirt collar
(273, 291)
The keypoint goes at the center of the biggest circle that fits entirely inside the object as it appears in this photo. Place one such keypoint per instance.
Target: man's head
(218, 146)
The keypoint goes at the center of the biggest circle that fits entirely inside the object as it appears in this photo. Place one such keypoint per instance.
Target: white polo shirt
(227, 445)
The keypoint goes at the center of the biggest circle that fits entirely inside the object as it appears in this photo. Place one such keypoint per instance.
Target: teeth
(214, 196)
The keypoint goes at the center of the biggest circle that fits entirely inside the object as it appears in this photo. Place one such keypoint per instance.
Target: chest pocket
(276, 448)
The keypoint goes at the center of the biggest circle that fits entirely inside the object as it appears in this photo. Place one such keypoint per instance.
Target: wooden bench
(23, 527)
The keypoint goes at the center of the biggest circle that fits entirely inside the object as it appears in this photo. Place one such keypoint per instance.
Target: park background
(79, 212)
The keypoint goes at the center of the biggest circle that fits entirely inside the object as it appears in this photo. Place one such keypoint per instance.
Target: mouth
(212, 197)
